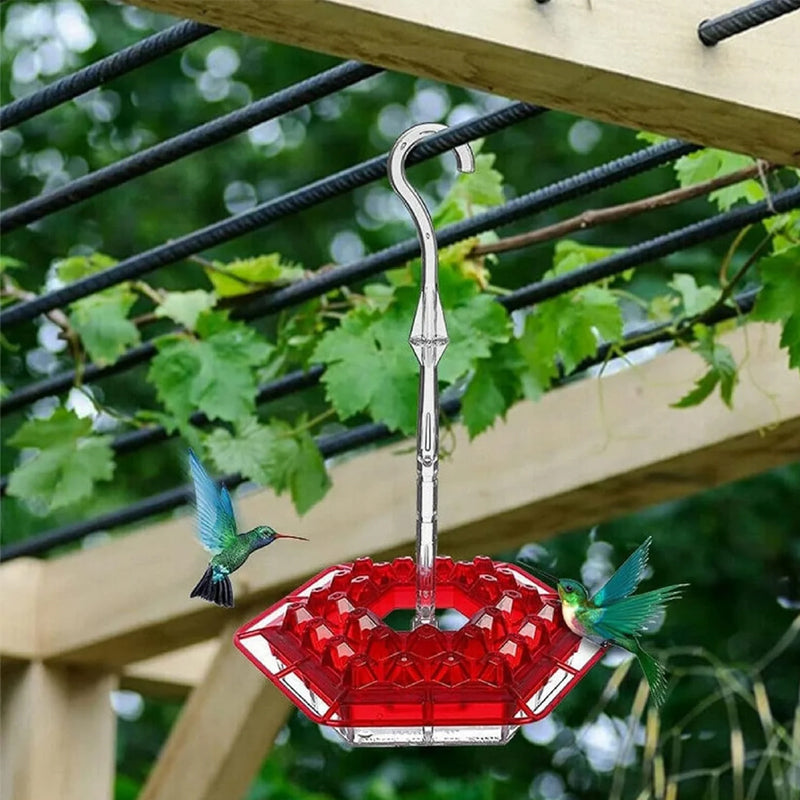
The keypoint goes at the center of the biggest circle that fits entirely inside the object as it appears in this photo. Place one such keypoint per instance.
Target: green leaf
(272, 455)
(580, 318)
(215, 375)
(4, 390)
(60, 425)
(76, 267)
(353, 362)
(493, 388)
(710, 163)
(571, 255)
(779, 298)
(722, 371)
(69, 462)
(695, 299)
(309, 480)
(703, 389)
(6, 262)
(185, 307)
(651, 138)
(473, 328)
(102, 322)
(250, 274)
(471, 192)
(251, 450)
(538, 347)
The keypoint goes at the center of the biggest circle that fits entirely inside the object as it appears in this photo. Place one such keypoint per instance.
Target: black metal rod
(264, 214)
(713, 31)
(533, 202)
(102, 71)
(333, 444)
(658, 247)
(185, 144)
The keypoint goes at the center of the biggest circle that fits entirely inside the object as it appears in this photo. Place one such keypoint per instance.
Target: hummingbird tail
(656, 674)
(214, 587)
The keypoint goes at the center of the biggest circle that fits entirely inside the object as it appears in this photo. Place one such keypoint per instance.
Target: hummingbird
(612, 616)
(217, 532)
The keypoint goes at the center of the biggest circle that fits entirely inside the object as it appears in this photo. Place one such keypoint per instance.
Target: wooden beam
(19, 587)
(58, 732)
(223, 734)
(585, 453)
(627, 62)
(172, 674)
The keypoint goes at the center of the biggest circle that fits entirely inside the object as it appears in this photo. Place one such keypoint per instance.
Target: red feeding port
(327, 647)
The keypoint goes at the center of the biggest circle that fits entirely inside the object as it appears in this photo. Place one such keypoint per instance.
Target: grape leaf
(249, 274)
(250, 450)
(185, 307)
(722, 371)
(570, 255)
(710, 163)
(538, 347)
(68, 463)
(779, 298)
(352, 360)
(651, 138)
(101, 321)
(6, 262)
(309, 480)
(75, 267)
(471, 192)
(493, 388)
(472, 328)
(272, 455)
(696, 299)
(214, 374)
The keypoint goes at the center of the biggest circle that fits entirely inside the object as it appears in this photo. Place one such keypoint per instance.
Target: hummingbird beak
(286, 536)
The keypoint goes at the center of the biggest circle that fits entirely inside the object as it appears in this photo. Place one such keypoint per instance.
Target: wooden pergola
(119, 615)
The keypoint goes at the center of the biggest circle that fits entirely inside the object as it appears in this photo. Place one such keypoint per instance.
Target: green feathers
(612, 615)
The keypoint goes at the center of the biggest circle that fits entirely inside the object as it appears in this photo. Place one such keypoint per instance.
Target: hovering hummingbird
(612, 616)
(217, 533)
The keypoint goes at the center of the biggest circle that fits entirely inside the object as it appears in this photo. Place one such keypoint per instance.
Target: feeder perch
(327, 647)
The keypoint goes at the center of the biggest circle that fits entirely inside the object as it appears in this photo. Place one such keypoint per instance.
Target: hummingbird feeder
(327, 646)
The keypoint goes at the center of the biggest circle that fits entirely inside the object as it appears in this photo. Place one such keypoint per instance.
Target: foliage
(212, 363)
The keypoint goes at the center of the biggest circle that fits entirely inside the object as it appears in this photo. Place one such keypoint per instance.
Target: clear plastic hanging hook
(428, 340)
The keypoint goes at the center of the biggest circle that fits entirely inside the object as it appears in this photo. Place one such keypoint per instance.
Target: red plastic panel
(327, 648)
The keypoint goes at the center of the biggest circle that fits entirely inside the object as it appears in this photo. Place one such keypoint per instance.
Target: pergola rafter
(636, 64)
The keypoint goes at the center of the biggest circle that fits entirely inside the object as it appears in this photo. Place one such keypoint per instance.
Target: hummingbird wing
(631, 615)
(625, 580)
(216, 524)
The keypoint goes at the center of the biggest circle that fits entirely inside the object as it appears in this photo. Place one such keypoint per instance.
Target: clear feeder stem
(428, 340)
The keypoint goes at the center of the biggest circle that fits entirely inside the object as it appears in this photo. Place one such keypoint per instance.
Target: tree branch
(601, 216)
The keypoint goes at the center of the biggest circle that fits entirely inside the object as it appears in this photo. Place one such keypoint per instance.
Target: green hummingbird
(216, 530)
(612, 616)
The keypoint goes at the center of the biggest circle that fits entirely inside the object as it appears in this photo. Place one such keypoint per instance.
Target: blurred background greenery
(738, 545)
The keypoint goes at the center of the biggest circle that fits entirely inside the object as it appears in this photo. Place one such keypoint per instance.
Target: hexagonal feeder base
(327, 648)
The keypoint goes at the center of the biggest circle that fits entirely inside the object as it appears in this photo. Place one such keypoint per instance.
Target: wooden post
(58, 733)
(223, 734)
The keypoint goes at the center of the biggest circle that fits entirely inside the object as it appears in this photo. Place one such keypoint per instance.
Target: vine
(212, 363)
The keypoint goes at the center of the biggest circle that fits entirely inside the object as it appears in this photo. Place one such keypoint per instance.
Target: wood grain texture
(223, 734)
(173, 674)
(587, 452)
(635, 64)
(19, 589)
(58, 733)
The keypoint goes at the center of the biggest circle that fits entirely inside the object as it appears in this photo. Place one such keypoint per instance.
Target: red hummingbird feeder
(327, 646)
